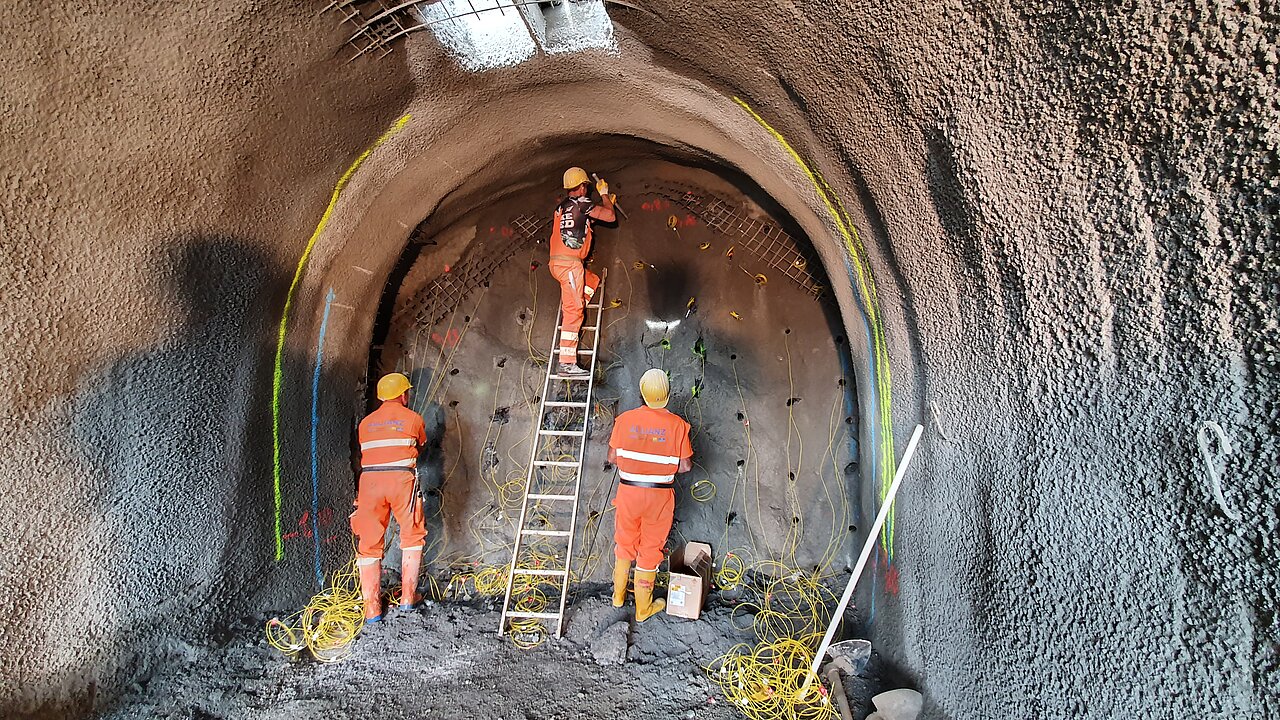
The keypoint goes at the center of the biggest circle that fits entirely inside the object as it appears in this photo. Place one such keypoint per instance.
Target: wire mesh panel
(766, 241)
(442, 296)
(480, 34)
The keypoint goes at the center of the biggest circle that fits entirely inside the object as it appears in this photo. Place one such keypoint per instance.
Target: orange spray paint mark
(449, 340)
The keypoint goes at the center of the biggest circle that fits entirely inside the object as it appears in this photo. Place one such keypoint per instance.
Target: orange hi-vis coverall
(389, 441)
(648, 445)
(577, 284)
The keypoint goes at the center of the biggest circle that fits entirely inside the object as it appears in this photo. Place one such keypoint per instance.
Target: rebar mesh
(766, 241)
(437, 299)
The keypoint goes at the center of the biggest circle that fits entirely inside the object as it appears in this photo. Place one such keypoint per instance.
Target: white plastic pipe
(862, 559)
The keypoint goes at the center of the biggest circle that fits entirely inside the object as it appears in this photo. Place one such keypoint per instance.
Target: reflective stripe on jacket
(390, 437)
(649, 444)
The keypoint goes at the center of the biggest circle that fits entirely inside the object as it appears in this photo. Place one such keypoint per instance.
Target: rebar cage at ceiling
(378, 24)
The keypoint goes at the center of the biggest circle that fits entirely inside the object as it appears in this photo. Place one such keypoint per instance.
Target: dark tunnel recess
(706, 278)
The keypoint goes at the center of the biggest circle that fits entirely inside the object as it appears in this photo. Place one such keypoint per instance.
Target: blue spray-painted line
(315, 439)
(872, 400)
(872, 397)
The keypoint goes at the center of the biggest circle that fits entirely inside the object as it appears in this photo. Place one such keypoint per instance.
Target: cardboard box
(690, 580)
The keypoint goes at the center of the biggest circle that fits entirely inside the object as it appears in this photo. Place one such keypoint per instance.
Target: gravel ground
(445, 661)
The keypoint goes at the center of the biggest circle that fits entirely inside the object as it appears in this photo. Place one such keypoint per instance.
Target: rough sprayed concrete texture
(1070, 215)
(161, 173)
(1079, 211)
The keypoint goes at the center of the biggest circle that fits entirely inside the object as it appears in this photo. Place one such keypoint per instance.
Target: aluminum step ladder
(555, 459)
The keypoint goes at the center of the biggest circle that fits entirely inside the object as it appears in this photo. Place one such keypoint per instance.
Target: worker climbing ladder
(552, 484)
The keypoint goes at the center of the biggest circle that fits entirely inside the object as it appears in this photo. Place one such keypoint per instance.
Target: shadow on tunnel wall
(862, 511)
(430, 471)
(175, 441)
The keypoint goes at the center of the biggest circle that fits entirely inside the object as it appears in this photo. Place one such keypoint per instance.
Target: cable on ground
(327, 625)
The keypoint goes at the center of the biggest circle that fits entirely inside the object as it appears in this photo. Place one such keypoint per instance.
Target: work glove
(602, 187)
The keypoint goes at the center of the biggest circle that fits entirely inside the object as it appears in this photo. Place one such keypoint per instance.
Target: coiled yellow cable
(703, 491)
(768, 681)
(327, 625)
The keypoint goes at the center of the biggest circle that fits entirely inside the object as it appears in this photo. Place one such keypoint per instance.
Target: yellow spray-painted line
(871, 305)
(277, 381)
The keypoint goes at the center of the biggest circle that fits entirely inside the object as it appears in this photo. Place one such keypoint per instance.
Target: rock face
(1068, 215)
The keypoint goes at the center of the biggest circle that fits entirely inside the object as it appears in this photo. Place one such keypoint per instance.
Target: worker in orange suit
(389, 441)
(649, 445)
(570, 245)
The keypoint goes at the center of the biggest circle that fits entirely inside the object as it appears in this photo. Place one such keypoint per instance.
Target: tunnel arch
(720, 132)
(1069, 211)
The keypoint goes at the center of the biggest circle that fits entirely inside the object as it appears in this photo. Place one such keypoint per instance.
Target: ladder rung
(555, 463)
(586, 352)
(543, 496)
(526, 571)
(593, 306)
(543, 616)
(584, 376)
(571, 433)
(549, 533)
(559, 403)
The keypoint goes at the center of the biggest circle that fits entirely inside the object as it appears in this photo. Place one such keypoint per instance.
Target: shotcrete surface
(161, 170)
(1069, 211)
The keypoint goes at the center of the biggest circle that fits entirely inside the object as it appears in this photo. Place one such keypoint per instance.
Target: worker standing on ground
(649, 445)
(389, 440)
(570, 245)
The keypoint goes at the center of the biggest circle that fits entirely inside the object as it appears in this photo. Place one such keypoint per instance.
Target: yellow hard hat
(575, 176)
(654, 388)
(393, 385)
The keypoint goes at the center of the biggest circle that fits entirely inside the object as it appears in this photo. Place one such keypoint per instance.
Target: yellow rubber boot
(371, 589)
(409, 564)
(646, 606)
(621, 571)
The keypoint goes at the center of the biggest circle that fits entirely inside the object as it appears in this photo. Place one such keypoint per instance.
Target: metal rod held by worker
(862, 559)
(613, 198)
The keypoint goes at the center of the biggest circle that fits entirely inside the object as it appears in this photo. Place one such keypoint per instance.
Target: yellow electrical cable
(787, 607)
(438, 379)
(630, 295)
(732, 569)
(767, 681)
(703, 490)
(328, 623)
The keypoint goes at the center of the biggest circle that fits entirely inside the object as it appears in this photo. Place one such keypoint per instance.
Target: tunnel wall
(162, 174)
(1076, 206)
(1069, 216)
(1028, 331)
